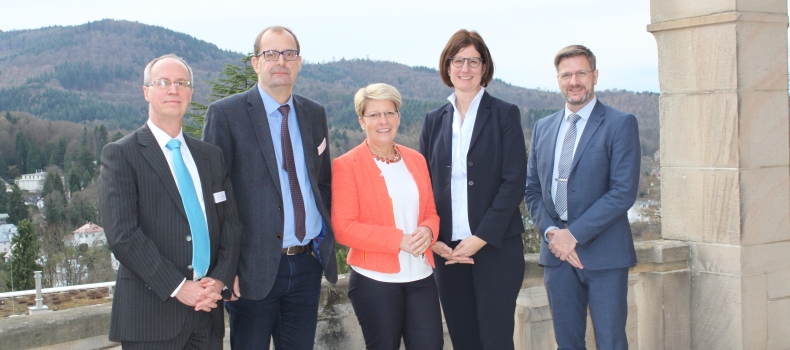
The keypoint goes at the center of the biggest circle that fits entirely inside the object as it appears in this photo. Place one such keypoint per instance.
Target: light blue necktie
(201, 246)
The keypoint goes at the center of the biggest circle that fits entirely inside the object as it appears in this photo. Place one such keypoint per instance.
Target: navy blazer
(602, 187)
(496, 169)
(239, 126)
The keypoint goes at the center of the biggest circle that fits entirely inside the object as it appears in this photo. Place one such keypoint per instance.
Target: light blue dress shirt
(313, 221)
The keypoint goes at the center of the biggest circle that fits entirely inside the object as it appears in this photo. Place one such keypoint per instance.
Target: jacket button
(549, 191)
(471, 183)
(280, 207)
(470, 163)
(279, 236)
(189, 267)
(189, 238)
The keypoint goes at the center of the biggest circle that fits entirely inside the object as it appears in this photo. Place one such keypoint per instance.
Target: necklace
(386, 160)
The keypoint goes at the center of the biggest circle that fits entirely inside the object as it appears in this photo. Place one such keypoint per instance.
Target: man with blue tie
(275, 143)
(582, 177)
(170, 218)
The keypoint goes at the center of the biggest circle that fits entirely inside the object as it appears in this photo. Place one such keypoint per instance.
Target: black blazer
(147, 228)
(496, 169)
(238, 125)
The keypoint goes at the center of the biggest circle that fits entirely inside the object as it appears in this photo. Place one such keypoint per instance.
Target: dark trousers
(289, 312)
(479, 300)
(570, 290)
(196, 334)
(388, 311)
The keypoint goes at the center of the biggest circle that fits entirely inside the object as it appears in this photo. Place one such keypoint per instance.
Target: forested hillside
(91, 74)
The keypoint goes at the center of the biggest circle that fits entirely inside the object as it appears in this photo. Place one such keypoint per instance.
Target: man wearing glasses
(171, 220)
(276, 147)
(582, 177)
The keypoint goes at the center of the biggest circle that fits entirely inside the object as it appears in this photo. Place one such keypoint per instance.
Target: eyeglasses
(474, 62)
(165, 84)
(273, 55)
(387, 114)
(579, 75)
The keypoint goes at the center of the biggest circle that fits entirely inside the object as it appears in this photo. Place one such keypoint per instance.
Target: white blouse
(406, 211)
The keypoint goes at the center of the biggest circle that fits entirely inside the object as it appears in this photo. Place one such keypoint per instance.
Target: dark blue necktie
(201, 246)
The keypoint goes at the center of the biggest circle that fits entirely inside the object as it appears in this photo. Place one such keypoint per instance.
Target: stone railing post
(725, 154)
(40, 307)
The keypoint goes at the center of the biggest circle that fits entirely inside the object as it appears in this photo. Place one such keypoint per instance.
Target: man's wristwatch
(226, 293)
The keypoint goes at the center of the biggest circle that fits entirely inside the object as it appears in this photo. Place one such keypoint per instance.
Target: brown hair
(573, 51)
(458, 41)
(277, 29)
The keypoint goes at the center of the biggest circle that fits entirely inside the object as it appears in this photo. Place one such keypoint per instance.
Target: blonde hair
(376, 91)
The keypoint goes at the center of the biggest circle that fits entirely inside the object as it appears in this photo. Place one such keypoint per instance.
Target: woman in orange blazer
(383, 210)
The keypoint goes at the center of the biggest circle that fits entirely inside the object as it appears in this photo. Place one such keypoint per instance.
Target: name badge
(219, 197)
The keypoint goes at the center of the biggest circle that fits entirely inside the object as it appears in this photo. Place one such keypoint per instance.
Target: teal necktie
(201, 246)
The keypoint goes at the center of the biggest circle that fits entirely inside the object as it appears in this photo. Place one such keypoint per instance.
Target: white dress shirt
(162, 138)
(462, 136)
(584, 115)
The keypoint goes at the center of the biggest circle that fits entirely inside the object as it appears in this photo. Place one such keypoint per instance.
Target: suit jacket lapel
(204, 172)
(447, 131)
(260, 122)
(152, 153)
(483, 113)
(596, 117)
(551, 144)
(306, 131)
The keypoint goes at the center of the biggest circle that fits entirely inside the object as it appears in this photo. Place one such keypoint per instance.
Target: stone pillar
(725, 150)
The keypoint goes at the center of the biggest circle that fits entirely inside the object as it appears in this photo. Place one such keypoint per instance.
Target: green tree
(52, 183)
(232, 80)
(100, 135)
(3, 202)
(59, 153)
(10, 119)
(25, 253)
(17, 210)
(87, 162)
(21, 144)
(55, 207)
(117, 136)
(75, 179)
(33, 162)
(3, 169)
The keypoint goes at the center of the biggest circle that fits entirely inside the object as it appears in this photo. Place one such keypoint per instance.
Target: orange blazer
(362, 215)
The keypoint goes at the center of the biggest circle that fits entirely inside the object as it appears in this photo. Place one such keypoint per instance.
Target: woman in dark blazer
(474, 146)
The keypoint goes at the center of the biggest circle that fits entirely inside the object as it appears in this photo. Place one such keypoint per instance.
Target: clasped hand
(202, 295)
(417, 242)
(462, 254)
(563, 246)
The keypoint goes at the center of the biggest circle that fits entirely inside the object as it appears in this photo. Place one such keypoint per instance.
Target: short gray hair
(376, 91)
(573, 51)
(147, 71)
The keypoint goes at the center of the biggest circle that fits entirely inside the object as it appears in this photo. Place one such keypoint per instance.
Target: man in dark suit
(582, 177)
(275, 143)
(171, 220)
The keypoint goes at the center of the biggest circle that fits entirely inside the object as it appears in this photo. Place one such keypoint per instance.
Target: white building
(32, 182)
(4, 218)
(7, 232)
(90, 234)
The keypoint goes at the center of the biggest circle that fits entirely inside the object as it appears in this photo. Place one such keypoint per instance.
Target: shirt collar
(475, 101)
(270, 104)
(585, 112)
(162, 138)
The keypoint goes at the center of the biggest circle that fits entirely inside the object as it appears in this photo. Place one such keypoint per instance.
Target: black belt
(297, 249)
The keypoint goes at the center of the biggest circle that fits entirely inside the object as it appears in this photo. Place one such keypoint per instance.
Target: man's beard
(587, 96)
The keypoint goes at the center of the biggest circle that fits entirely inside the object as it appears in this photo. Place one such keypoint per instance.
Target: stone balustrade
(659, 301)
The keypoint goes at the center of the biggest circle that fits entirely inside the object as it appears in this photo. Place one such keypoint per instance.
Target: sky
(522, 35)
